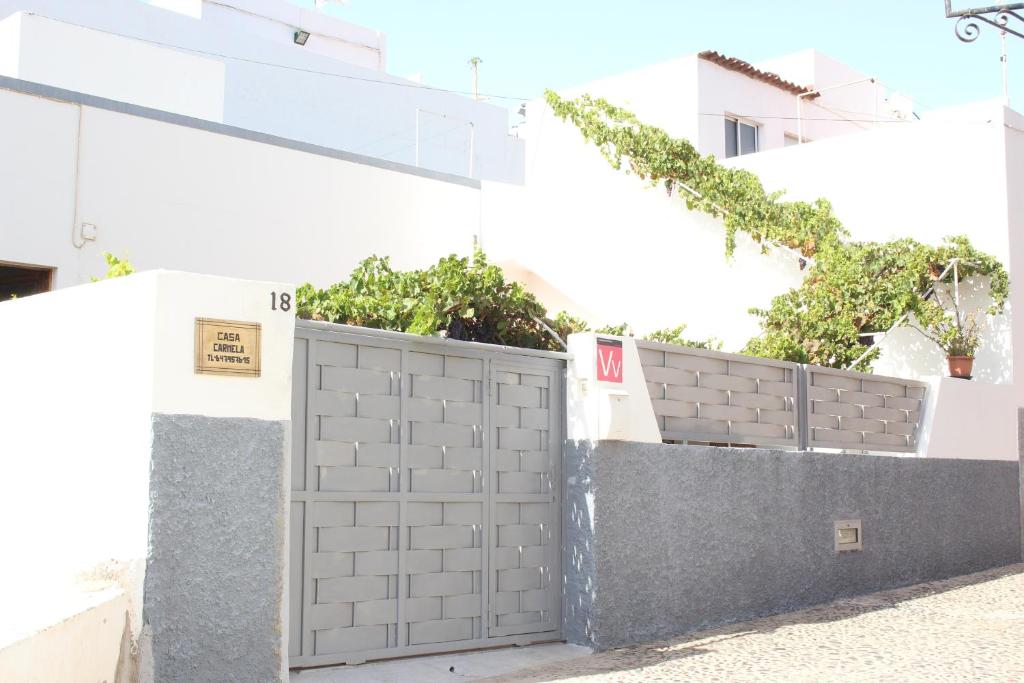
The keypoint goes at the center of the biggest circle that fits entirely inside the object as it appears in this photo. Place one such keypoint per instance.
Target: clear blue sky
(530, 45)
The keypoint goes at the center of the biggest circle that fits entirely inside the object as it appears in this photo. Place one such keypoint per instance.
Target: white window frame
(745, 122)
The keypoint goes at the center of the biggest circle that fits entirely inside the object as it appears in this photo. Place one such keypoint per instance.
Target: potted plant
(958, 335)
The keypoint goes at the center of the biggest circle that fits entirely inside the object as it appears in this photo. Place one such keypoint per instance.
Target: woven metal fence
(714, 397)
(860, 411)
(703, 395)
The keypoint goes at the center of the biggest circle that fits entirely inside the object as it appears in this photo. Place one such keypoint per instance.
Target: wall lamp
(301, 37)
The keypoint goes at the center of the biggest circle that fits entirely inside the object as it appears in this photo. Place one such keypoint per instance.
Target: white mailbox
(613, 416)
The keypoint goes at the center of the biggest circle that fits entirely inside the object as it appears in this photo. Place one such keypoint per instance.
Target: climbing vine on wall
(116, 267)
(734, 195)
(851, 287)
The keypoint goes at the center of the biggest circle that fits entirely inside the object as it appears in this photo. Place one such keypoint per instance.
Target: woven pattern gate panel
(394, 508)
(524, 553)
(701, 395)
(444, 466)
(854, 410)
(352, 525)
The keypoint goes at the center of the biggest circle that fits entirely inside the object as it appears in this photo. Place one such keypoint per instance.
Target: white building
(886, 171)
(80, 176)
(615, 249)
(198, 167)
(727, 108)
(240, 62)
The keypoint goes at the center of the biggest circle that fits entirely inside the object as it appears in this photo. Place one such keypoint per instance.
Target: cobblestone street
(963, 629)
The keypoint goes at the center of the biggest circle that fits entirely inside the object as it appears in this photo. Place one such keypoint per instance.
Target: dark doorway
(20, 281)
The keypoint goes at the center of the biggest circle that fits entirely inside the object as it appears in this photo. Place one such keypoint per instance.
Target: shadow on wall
(578, 575)
(128, 656)
(703, 642)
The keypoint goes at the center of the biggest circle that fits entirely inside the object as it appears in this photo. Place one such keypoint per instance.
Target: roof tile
(748, 69)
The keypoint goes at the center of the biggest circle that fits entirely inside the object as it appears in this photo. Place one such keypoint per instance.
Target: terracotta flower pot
(960, 366)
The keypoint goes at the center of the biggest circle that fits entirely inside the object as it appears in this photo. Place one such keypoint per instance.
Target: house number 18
(283, 302)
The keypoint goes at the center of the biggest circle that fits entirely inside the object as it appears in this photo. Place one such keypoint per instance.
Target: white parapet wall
(116, 68)
(76, 402)
(969, 420)
(78, 634)
(119, 461)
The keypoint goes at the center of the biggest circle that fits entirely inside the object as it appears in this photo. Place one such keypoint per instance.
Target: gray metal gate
(425, 506)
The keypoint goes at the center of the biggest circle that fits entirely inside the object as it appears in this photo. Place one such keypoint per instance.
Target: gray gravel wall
(665, 539)
(214, 574)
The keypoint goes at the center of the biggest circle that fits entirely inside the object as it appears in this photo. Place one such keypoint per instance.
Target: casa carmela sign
(227, 347)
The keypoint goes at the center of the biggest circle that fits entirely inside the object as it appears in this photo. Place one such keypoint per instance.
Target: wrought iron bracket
(968, 29)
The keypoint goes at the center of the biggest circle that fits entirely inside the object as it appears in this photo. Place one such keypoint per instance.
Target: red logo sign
(609, 360)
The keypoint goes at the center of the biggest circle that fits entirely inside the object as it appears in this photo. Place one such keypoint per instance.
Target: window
(740, 137)
(21, 281)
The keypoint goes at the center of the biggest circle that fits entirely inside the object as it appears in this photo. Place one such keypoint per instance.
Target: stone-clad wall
(664, 539)
(1020, 454)
(213, 587)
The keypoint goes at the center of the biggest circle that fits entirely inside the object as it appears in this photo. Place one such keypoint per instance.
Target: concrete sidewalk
(466, 666)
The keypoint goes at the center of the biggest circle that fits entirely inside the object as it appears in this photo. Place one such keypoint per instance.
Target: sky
(529, 45)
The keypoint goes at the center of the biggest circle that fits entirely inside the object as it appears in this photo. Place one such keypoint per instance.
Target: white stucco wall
(599, 410)
(905, 180)
(277, 21)
(85, 369)
(1013, 132)
(620, 251)
(722, 91)
(108, 66)
(10, 44)
(77, 636)
(844, 92)
(664, 95)
(78, 393)
(689, 97)
(171, 196)
(605, 246)
(37, 183)
(969, 420)
(172, 60)
(610, 249)
(177, 390)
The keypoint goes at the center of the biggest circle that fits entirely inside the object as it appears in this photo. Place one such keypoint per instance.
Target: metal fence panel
(425, 506)
(701, 395)
(853, 410)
